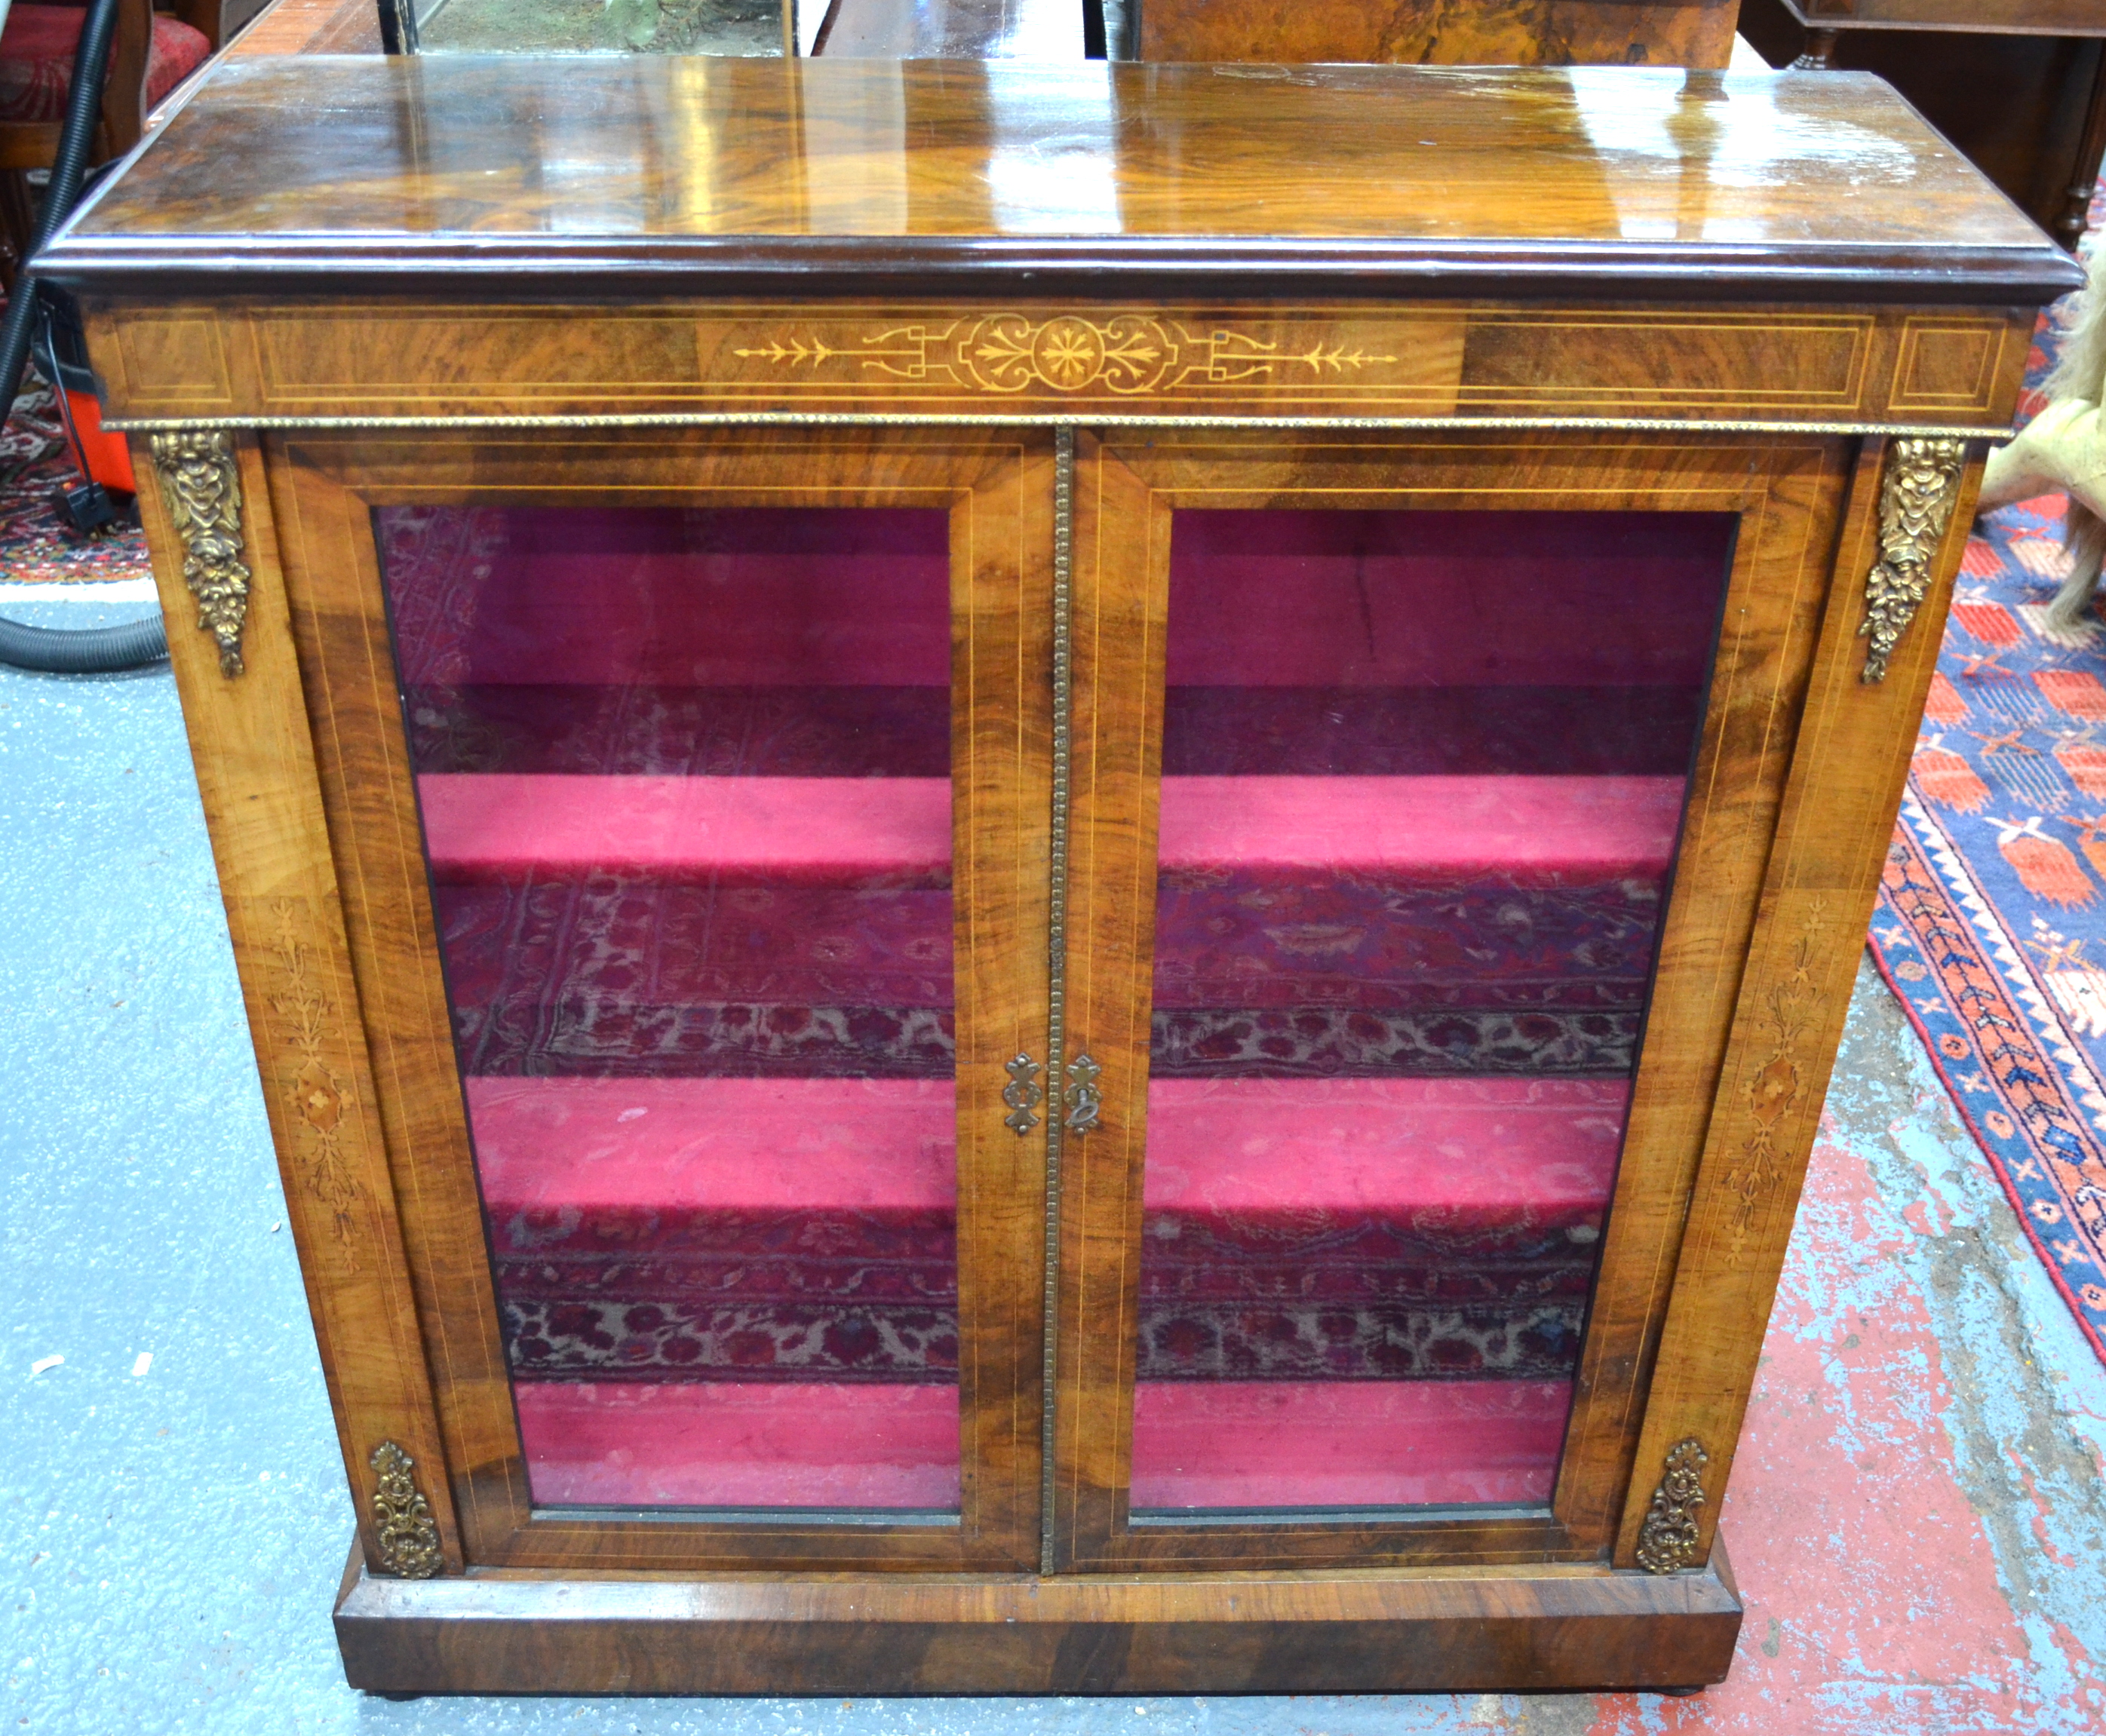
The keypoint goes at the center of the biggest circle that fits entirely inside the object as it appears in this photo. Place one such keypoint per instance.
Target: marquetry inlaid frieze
(1407, 362)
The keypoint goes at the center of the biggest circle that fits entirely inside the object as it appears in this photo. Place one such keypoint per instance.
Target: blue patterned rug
(1991, 927)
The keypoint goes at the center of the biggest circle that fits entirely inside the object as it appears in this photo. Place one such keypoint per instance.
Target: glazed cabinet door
(688, 795)
(1424, 788)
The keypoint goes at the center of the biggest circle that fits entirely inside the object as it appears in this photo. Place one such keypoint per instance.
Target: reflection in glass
(684, 778)
(1422, 777)
(721, 27)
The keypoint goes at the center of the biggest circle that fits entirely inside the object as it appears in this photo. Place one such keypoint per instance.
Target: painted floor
(1917, 1519)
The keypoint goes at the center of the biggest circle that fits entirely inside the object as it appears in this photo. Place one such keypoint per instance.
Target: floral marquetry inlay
(1128, 354)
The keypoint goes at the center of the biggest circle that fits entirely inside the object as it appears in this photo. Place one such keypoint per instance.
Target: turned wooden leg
(2084, 172)
(1820, 45)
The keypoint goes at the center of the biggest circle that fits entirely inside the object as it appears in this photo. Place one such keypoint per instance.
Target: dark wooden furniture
(149, 56)
(946, 792)
(2020, 87)
(1441, 33)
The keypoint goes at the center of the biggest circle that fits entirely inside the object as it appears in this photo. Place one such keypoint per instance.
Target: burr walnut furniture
(1490, 33)
(2017, 85)
(1045, 872)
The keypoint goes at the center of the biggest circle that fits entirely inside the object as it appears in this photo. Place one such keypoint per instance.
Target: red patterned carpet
(37, 545)
(1991, 928)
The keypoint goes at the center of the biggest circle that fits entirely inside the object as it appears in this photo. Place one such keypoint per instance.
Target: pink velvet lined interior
(1467, 1150)
(896, 831)
(1254, 1444)
(647, 1444)
(683, 781)
(1291, 1443)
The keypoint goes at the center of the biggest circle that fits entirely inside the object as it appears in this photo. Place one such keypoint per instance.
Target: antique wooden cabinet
(2017, 85)
(1045, 872)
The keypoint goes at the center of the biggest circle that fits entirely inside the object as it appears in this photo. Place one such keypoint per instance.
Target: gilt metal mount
(1916, 497)
(1667, 1541)
(403, 1528)
(1022, 1095)
(196, 468)
(1084, 1099)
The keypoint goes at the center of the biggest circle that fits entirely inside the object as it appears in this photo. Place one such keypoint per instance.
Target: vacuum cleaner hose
(96, 649)
(91, 651)
(90, 66)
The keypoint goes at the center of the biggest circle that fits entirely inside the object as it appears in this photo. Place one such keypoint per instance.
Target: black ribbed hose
(89, 651)
(96, 649)
(90, 66)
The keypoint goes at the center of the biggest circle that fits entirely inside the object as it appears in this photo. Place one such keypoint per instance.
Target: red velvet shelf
(896, 831)
(1221, 1445)
(758, 1230)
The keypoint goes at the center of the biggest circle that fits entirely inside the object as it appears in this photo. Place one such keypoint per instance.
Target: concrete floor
(1917, 1518)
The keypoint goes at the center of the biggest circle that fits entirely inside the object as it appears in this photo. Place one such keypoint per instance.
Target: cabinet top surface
(483, 174)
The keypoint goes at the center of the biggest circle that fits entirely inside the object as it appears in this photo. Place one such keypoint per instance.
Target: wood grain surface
(1571, 1628)
(263, 805)
(1944, 367)
(1847, 767)
(1488, 33)
(466, 175)
(1788, 495)
(997, 490)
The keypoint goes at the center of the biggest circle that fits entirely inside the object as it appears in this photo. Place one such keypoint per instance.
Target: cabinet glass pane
(684, 777)
(717, 27)
(1422, 777)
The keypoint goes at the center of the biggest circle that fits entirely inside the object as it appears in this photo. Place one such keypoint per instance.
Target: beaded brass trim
(1056, 920)
(196, 468)
(1055, 418)
(1916, 497)
(1667, 1541)
(404, 1531)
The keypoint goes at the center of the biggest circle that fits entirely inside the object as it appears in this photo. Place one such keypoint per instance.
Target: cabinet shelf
(751, 1230)
(896, 831)
(1217, 1445)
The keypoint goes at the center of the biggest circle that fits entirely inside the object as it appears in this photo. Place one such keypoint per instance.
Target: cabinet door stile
(287, 921)
(1848, 769)
(760, 506)
(1791, 519)
(362, 761)
(1118, 616)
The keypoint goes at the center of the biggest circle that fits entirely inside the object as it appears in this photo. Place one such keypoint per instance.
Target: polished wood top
(646, 174)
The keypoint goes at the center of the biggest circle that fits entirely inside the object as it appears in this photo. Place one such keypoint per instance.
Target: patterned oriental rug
(37, 545)
(1991, 927)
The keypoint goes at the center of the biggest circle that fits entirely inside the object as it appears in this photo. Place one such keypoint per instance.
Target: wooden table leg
(2070, 226)
(1820, 45)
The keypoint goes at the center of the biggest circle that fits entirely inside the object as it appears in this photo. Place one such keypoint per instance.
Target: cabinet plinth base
(1486, 1630)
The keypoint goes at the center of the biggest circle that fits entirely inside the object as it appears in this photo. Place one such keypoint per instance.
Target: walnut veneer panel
(1261, 1633)
(1960, 367)
(815, 176)
(1480, 33)
(1847, 772)
(310, 27)
(256, 763)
